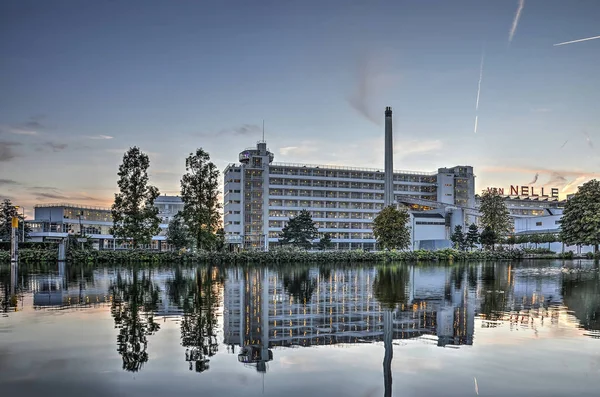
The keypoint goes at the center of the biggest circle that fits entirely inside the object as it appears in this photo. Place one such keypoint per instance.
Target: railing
(67, 205)
(344, 168)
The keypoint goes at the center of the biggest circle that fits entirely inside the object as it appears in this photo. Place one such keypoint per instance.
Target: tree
(458, 238)
(391, 229)
(200, 195)
(177, 233)
(7, 212)
(488, 237)
(325, 242)
(511, 240)
(300, 231)
(133, 212)
(472, 237)
(495, 216)
(580, 223)
(220, 239)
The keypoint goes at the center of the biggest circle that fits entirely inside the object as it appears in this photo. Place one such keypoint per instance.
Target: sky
(81, 82)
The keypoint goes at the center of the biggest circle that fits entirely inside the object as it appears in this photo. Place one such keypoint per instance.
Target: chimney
(388, 196)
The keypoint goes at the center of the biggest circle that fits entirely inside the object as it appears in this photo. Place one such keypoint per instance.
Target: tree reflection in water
(390, 285)
(581, 294)
(199, 299)
(134, 301)
(299, 284)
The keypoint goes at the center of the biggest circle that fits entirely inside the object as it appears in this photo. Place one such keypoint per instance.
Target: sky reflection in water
(517, 329)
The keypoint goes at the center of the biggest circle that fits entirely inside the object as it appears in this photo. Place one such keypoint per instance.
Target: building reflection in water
(265, 310)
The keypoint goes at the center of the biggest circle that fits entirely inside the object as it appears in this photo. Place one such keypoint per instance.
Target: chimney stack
(388, 197)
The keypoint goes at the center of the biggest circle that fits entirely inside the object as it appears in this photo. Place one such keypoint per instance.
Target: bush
(566, 255)
(542, 251)
(5, 245)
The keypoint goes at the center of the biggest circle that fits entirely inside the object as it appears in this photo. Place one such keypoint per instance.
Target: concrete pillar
(388, 197)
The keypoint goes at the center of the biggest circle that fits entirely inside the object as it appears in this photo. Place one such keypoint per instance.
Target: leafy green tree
(495, 216)
(300, 231)
(536, 239)
(133, 212)
(220, 239)
(511, 240)
(472, 237)
(488, 238)
(177, 233)
(391, 229)
(200, 195)
(458, 238)
(580, 223)
(325, 242)
(7, 212)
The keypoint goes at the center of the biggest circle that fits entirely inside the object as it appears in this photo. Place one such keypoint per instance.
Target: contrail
(515, 23)
(480, 79)
(578, 41)
(564, 144)
(476, 387)
(476, 124)
(535, 178)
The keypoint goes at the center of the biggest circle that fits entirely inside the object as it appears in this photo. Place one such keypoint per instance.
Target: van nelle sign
(526, 191)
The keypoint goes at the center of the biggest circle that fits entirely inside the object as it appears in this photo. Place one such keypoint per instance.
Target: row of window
(330, 225)
(337, 235)
(324, 214)
(349, 185)
(325, 204)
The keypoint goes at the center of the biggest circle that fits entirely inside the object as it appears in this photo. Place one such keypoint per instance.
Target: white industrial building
(260, 197)
(53, 222)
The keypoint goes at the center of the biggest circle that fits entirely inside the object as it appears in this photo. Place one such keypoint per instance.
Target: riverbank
(278, 256)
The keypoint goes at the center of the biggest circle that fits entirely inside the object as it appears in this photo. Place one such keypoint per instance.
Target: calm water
(521, 329)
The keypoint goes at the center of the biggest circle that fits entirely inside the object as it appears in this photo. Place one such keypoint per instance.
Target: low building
(54, 222)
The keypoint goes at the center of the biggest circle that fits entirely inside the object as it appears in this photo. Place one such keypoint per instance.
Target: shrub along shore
(276, 256)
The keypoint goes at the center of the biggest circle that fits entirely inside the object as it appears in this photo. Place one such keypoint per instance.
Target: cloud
(556, 179)
(513, 28)
(287, 150)
(240, 130)
(8, 182)
(101, 137)
(56, 147)
(30, 127)
(535, 179)
(367, 153)
(20, 131)
(567, 180)
(51, 193)
(541, 110)
(6, 150)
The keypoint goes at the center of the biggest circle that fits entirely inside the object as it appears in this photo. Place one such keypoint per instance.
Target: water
(483, 329)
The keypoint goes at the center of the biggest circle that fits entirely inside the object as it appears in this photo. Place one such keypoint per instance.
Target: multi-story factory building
(260, 196)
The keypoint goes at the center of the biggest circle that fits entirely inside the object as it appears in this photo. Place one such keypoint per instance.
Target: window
(538, 223)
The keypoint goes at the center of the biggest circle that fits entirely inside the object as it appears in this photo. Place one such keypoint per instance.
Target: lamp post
(23, 239)
(80, 229)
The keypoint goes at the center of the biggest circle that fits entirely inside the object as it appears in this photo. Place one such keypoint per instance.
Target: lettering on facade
(526, 191)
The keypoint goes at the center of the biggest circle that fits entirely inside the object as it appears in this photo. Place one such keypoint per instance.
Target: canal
(489, 329)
